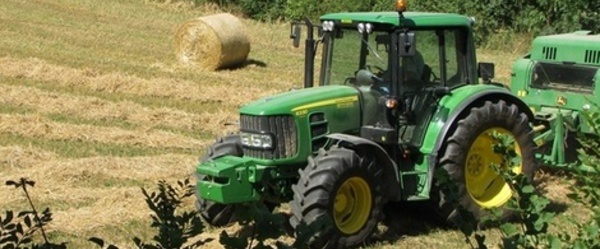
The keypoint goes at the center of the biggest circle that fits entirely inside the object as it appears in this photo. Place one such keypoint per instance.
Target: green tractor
(400, 96)
(559, 80)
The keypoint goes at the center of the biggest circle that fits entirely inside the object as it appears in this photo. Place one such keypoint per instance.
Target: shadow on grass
(417, 219)
(250, 63)
(409, 219)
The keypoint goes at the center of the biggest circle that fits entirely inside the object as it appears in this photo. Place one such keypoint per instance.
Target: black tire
(336, 180)
(466, 158)
(218, 214)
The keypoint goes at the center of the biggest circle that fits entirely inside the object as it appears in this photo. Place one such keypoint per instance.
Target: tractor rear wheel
(218, 214)
(469, 155)
(339, 187)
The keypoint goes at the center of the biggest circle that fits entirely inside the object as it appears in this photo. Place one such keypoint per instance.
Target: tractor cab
(401, 62)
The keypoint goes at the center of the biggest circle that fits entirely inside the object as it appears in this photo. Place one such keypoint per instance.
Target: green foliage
(529, 207)
(175, 229)
(531, 230)
(518, 16)
(296, 9)
(264, 10)
(464, 220)
(493, 16)
(18, 232)
(585, 192)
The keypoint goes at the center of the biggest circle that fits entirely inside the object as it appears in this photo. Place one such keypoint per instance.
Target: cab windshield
(351, 51)
(350, 55)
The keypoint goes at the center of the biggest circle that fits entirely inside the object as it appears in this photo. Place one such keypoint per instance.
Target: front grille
(282, 127)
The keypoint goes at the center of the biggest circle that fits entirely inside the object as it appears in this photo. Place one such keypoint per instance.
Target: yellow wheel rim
(352, 205)
(485, 186)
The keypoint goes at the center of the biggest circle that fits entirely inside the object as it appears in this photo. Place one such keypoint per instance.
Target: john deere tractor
(400, 96)
(560, 80)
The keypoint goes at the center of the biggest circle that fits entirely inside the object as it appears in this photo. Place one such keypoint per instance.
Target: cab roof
(411, 19)
(580, 47)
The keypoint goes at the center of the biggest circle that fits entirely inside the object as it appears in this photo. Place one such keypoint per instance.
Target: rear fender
(463, 108)
(391, 176)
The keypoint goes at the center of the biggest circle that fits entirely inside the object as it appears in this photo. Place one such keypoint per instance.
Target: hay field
(94, 106)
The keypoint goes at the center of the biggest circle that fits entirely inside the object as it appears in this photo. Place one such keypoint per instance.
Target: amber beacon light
(400, 5)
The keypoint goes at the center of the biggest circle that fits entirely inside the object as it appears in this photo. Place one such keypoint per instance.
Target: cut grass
(88, 69)
(209, 106)
(81, 149)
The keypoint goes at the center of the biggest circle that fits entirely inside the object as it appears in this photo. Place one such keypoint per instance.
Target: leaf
(9, 237)
(509, 229)
(554, 242)
(592, 231)
(26, 240)
(528, 189)
(27, 221)
(12, 183)
(19, 229)
(28, 182)
(10, 226)
(24, 213)
(8, 218)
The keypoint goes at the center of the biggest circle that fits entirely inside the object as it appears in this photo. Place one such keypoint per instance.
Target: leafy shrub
(585, 192)
(175, 229)
(18, 232)
(527, 206)
(531, 230)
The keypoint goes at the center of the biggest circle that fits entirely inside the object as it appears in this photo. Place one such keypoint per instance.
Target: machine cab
(401, 65)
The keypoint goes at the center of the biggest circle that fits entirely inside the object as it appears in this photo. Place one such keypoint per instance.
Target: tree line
(534, 17)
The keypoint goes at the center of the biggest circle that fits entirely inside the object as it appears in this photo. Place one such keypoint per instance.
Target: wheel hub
(352, 205)
(341, 203)
(475, 165)
(487, 188)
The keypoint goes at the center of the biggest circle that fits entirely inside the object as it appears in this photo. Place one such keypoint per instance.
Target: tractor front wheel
(469, 155)
(343, 188)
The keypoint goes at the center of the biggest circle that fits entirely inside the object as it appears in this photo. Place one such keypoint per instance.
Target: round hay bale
(212, 42)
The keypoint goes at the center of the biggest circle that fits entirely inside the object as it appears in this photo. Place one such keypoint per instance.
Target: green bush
(17, 232)
(533, 17)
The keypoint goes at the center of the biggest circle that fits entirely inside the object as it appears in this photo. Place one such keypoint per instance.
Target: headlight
(261, 141)
(361, 28)
(328, 25)
(369, 28)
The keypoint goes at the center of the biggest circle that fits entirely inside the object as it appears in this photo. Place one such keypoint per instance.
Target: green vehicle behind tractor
(400, 96)
(559, 80)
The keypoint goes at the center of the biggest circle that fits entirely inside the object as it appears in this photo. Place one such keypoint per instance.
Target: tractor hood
(302, 100)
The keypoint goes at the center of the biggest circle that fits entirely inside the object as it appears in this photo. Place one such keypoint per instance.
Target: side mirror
(295, 34)
(382, 40)
(486, 71)
(407, 45)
